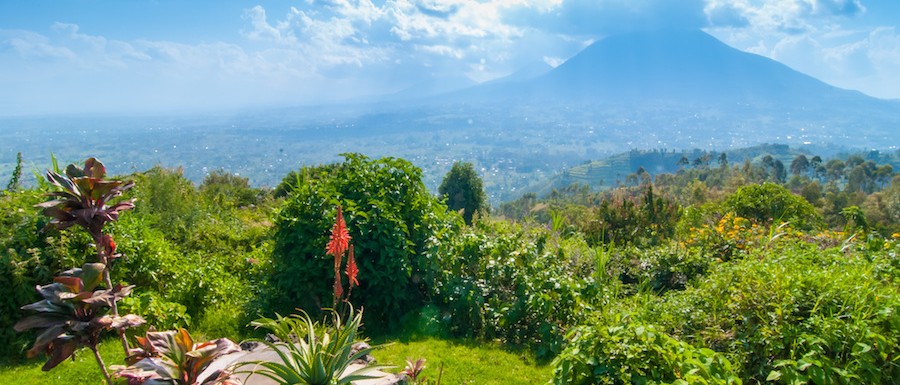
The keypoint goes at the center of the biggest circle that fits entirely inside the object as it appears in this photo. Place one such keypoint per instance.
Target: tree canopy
(463, 190)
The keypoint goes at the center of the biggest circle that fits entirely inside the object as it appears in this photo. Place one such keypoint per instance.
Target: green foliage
(776, 301)
(394, 224)
(660, 269)
(855, 216)
(189, 255)
(298, 178)
(500, 281)
(792, 307)
(168, 200)
(184, 280)
(27, 258)
(770, 202)
(647, 219)
(15, 180)
(159, 313)
(634, 353)
(321, 355)
(222, 188)
(463, 190)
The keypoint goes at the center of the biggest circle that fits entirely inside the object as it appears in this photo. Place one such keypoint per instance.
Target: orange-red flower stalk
(352, 270)
(340, 238)
(337, 245)
(338, 289)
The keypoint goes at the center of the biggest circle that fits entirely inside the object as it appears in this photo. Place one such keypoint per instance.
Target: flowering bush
(733, 236)
(395, 225)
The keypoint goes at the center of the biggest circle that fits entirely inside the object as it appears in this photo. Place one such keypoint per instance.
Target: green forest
(768, 270)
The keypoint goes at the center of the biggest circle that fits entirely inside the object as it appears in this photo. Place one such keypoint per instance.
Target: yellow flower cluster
(733, 233)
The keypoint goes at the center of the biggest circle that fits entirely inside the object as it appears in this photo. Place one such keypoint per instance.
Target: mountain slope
(672, 65)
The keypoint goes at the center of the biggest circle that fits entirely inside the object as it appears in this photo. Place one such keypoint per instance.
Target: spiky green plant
(321, 355)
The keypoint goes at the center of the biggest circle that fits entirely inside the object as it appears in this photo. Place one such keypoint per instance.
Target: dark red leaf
(59, 350)
(94, 168)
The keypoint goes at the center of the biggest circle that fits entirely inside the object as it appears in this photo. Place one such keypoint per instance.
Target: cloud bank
(316, 50)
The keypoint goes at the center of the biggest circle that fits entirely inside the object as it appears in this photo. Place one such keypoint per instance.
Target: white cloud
(418, 38)
(553, 61)
(443, 50)
(786, 16)
(34, 46)
(330, 49)
(810, 36)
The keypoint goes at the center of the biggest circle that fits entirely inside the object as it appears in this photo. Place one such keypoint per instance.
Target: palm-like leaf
(73, 314)
(172, 357)
(84, 198)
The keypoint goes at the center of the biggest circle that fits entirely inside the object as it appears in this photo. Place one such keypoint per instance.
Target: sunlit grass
(83, 370)
(465, 362)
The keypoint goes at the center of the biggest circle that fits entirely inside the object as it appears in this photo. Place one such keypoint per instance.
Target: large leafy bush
(395, 225)
(769, 202)
(196, 260)
(634, 353)
(193, 263)
(621, 218)
(515, 284)
(27, 258)
(795, 311)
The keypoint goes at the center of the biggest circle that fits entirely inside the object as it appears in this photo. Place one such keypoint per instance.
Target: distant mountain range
(665, 91)
(665, 65)
(688, 83)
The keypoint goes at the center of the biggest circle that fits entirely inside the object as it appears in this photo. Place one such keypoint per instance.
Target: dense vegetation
(712, 274)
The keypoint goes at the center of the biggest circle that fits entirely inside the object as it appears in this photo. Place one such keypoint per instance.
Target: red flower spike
(340, 238)
(352, 270)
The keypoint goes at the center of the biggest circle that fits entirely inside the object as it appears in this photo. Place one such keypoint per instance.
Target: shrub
(189, 257)
(793, 308)
(222, 188)
(660, 268)
(646, 219)
(168, 200)
(26, 260)
(394, 222)
(634, 353)
(768, 202)
(173, 276)
(500, 281)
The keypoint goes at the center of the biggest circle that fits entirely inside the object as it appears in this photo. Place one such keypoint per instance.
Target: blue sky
(105, 56)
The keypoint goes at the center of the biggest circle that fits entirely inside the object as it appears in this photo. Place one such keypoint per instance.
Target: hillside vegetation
(715, 273)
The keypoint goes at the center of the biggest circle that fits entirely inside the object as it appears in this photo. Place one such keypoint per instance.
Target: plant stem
(101, 254)
(102, 365)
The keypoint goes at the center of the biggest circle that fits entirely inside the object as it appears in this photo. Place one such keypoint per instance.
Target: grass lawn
(464, 363)
(83, 370)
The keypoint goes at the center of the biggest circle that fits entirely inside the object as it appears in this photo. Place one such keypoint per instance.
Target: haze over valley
(665, 88)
